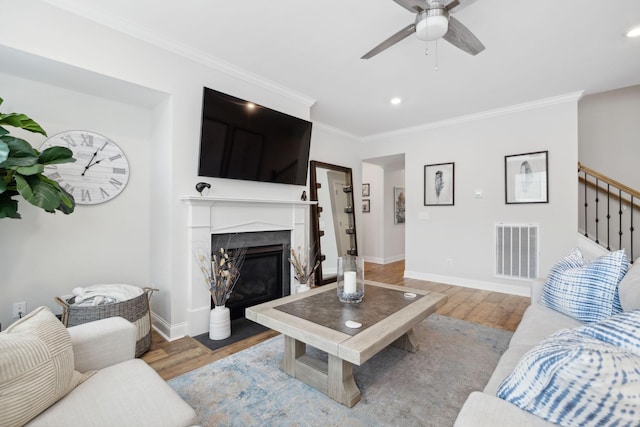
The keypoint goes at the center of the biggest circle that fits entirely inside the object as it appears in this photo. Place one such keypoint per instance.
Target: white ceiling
(534, 50)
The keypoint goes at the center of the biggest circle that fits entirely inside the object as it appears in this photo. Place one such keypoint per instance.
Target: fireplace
(208, 217)
(265, 273)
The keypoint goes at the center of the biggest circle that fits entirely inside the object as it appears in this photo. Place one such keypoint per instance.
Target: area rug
(426, 388)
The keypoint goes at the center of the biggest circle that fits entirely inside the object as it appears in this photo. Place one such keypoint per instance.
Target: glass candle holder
(350, 279)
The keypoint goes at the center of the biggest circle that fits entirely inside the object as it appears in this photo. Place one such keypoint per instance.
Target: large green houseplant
(22, 167)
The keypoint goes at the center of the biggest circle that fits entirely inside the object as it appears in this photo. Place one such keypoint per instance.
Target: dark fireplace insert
(265, 273)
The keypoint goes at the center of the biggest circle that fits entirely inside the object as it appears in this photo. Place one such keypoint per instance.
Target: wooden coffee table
(317, 318)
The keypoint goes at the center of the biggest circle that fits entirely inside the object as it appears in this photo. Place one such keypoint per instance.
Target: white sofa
(483, 408)
(124, 391)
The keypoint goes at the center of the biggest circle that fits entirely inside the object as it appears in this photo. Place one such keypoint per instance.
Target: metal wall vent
(517, 251)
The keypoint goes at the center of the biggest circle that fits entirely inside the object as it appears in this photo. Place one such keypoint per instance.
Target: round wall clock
(100, 172)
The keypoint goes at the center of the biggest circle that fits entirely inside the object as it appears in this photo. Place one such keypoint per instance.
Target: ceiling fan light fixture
(432, 24)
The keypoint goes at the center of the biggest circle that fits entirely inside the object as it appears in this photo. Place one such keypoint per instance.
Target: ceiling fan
(434, 21)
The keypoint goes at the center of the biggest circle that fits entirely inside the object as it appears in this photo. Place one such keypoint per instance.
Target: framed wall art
(399, 203)
(365, 190)
(526, 178)
(439, 184)
(366, 205)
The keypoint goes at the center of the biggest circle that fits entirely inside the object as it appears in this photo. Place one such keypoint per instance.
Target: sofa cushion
(587, 291)
(129, 393)
(36, 366)
(583, 376)
(629, 288)
(538, 322)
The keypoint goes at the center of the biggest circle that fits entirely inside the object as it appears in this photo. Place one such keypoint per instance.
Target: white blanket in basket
(104, 294)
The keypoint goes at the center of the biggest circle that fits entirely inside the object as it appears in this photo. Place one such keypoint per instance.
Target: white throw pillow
(629, 288)
(586, 291)
(36, 367)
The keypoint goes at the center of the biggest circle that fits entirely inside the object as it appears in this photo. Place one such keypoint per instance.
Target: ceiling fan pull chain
(436, 68)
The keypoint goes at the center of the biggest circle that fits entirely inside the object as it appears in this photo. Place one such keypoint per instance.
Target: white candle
(349, 282)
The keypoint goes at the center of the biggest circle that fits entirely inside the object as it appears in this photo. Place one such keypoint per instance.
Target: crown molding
(108, 20)
(336, 131)
(541, 103)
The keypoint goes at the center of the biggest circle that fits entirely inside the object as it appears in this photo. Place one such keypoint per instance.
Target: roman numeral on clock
(85, 196)
(54, 176)
(115, 182)
(104, 194)
(87, 140)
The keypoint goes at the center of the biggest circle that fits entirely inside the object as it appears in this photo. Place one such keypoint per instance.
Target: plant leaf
(67, 202)
(21, 121)
(38, 192)
(8, 206)
(54, 155)
(30, 170)
(4, 151)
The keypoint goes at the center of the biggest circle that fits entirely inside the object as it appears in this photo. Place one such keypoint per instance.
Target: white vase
(219, 323)
(302, 288)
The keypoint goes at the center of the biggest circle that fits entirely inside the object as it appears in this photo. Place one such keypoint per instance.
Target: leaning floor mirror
(333, 220)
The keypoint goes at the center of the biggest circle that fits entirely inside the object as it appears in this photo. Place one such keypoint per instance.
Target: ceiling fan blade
(413, 5)
(460, 36)
(457, 5)
(400, 35)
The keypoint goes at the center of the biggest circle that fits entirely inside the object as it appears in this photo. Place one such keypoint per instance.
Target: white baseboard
(505, 288)
(166, 330)
(387, 260)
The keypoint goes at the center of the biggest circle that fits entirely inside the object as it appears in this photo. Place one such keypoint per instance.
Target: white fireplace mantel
(218, 215)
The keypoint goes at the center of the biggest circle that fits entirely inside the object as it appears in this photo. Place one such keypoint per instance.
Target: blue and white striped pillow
(584, 376)
(586, 291)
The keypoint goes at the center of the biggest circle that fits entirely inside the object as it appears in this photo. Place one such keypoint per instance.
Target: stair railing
(621, 210)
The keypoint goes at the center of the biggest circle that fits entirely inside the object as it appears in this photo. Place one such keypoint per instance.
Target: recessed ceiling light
(634, 32)
(395, 101)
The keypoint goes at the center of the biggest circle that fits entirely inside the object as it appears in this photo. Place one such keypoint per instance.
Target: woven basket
(135, 310)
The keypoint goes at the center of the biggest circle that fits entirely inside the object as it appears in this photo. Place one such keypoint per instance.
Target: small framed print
(526, 178)
(439, 180)
(365, 190)
(366, 205)
(399, 203)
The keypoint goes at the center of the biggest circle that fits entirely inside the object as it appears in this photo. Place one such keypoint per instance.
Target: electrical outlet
(449, 262)
(19, 307)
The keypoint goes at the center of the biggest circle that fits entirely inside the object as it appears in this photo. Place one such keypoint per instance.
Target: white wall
(394, 234)
(477, 145)
(609, 132)
(46, 255)
(149, 101)
(373, 222)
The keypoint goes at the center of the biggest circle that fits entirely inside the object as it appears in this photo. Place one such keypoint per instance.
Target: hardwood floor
(503, 311)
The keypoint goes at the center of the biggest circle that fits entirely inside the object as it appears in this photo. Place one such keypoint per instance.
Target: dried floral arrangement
(221, 271)
(304, 272)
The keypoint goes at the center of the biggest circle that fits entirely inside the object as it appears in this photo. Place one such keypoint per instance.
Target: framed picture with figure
(526, 178)
(365, 190)
(366, 205)
(439, 184)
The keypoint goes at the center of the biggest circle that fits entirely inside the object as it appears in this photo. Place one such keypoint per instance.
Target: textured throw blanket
(104, 294)
(587, 376)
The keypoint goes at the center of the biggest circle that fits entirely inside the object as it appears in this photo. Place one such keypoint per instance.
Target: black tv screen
(242, 140)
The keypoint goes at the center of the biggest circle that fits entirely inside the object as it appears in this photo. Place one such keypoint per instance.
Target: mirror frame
(317, 210)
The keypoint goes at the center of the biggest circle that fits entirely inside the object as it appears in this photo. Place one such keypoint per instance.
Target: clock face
(100, 172)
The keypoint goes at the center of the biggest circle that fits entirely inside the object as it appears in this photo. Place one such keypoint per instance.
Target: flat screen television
(242, 140)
